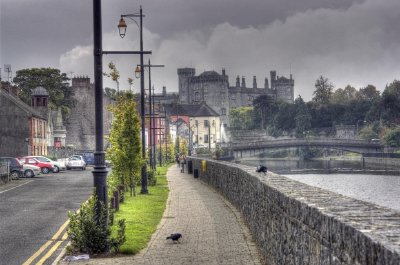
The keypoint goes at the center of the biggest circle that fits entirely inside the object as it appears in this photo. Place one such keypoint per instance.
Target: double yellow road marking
(58, 241)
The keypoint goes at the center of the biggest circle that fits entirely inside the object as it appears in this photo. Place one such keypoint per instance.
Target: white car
(76, 161)
(57, 166)
(30, 171)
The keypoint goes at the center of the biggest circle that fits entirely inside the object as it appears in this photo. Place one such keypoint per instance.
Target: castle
(214, 89)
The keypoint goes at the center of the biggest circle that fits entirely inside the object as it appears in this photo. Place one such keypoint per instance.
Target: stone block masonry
(294, 223)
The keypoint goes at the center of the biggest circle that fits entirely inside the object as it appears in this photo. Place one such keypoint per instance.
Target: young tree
(264, 107)
(113, 74)
(125, 142)
(302, 118)
(241, 118)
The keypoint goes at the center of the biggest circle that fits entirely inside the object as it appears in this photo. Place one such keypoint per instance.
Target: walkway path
(213, 231)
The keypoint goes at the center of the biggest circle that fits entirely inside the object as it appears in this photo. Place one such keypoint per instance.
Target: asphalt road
(33, 210)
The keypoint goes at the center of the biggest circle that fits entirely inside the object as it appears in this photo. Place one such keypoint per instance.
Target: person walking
(182, 160)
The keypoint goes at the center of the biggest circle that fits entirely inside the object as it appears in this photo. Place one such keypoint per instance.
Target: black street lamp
(122, 31)
(151, 112)
(99, 169)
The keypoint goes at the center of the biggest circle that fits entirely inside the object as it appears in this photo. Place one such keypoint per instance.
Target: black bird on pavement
(262, 168)
(175, 237)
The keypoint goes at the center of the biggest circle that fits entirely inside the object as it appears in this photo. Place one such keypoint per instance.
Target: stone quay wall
(381, 163)
(293, 223)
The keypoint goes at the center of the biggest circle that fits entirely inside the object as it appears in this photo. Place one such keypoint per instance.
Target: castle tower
(266, 84)
(40, 98)
(243, 82)
(237, 81)
(273, 79)
(254, 82)
(184, 75)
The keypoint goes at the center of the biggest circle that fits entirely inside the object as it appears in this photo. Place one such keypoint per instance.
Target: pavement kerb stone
(213, 230)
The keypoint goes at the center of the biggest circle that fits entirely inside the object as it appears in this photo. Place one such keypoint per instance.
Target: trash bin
(196, 173)
(190, 167)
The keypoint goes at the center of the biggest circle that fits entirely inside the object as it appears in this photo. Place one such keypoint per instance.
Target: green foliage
(151, 177)
(391, 103)
(392, 138)
(85, 233)
(55, 82)
(125, 142)
(241, 118)
(183, 146)
(119, 240)
(369, 132)
(110, 93)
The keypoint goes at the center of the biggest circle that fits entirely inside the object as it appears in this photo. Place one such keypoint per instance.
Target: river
(382, 190)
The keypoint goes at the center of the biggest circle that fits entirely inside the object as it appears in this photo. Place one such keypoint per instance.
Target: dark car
(16, 168)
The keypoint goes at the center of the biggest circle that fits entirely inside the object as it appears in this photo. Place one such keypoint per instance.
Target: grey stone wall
(294, 223)
(14, 128)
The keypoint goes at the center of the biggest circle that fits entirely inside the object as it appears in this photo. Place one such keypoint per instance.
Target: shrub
(89, 236)
(120, 239)
(151, 178)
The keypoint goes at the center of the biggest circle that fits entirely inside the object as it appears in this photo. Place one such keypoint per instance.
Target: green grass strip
(142, 213)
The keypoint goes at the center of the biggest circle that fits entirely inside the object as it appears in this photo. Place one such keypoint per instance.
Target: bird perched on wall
(262, 168)
(175, 237)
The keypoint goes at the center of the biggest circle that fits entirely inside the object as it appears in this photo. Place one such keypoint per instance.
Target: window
(223, 111)
(206, 138)
(206, 123)
(197, 96)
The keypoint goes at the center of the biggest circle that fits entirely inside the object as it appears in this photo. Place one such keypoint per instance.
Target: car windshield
(43, 159)
(75, 158)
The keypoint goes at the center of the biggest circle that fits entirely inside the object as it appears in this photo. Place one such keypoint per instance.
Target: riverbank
(339, 171)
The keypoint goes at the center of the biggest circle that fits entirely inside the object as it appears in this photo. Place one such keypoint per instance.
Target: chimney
(237, 81)
(254, 82)
(164, 91)
(243, 82)
(223, 71)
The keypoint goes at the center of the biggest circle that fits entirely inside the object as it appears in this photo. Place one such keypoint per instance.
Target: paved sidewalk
(213, 231)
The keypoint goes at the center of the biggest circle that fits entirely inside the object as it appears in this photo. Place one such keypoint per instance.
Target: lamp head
(122, 27)
(137, 72)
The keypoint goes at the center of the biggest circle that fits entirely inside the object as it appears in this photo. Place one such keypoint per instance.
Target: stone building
(81, 133)
(23, 128)
(214, 89)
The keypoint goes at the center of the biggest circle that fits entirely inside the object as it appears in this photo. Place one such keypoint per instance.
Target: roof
(209, 74)
(191, 110)
(40, 91)
(22, 105)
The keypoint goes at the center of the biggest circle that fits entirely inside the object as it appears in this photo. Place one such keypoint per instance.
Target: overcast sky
(353, 42)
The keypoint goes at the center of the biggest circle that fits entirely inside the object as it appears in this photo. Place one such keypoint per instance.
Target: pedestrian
(177, 160)
(182, 161)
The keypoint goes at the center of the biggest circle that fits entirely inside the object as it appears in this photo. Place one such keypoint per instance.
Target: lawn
(142, 213)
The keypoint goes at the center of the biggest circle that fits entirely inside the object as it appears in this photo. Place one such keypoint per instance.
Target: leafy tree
(368, 93)
(323, 91)
(110, 93)
(391, 102)
(241, 118)
(55, 82)
(302, 118)
(125, 142)
(343, 96)
(264, 109)
(130, 82)
(184, 146)
(392, 138)
(369, 132)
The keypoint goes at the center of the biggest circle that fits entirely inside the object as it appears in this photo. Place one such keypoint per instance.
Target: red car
(45, 167)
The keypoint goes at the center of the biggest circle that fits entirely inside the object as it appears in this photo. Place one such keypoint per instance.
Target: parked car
(45, 167)
(76, 161)
(30, 170)
(57, 166)
(16, 169)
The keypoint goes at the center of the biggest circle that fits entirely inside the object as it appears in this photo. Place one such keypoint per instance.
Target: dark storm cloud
(350, 42)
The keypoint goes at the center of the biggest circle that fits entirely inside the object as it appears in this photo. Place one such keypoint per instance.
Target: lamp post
(122, 31)
(190, 138)
(209, 135)
(152, 154)
(99, 169)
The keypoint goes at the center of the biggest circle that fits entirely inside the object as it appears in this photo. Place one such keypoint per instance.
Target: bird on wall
(262, 168)
(175, 237)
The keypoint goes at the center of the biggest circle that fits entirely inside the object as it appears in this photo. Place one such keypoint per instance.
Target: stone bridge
(293, 223)
(254, 148)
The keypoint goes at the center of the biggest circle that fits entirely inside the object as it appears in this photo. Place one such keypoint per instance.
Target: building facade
(214, 89)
